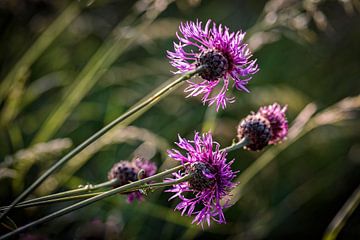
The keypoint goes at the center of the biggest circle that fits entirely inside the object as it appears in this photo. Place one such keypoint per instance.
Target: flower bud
(257, 131)
(124, 171)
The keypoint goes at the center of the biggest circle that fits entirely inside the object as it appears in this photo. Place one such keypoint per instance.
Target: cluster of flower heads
(267, 126)
(222, 56)
(211, 178)
(222, 53)
(126, 172)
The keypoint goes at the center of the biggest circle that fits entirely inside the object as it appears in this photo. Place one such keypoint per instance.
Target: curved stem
(128, 187)
(242, 143)
(64, 196)
(54, 200)
(98, 134)
(151, 186)
(72, 194)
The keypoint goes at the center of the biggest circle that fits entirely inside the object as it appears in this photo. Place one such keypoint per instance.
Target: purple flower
(126, 172)
(224, 55)
(267, 126)
(211, 179)
(277, 118)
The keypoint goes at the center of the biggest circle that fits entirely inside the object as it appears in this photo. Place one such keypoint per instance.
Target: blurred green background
(70, 67)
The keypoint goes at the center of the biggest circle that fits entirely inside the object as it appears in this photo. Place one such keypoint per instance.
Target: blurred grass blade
(116, 44)
(13, 101)
(23, 159)
(343, 215)
(71, 167)
(11, 225)
(291, 203)
(38, 47)
(156, 97)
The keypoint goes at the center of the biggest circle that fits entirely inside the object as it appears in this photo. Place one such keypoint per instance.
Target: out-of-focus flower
(223, 54)
(268, 126)
(211, 179)
(126, 172)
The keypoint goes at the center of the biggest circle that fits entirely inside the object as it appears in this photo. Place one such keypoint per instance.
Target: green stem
(242, 143)
(96, 198)
(86, 188)
(64, 196)
(151, 186)
(98, 134)
(165, 184)
(53, 200)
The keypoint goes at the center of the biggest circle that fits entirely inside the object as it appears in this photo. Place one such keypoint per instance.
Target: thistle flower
(210, 182)
(126, 172)
(223, 54)
(267, 126)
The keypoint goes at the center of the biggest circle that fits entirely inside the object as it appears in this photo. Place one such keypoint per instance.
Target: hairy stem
(98, 134)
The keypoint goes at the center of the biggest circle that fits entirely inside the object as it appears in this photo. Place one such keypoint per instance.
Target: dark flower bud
(124, 171)
(257, 131)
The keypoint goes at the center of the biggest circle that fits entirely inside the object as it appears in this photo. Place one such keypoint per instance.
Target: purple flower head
(265, 127)
(126, 172)
(277, 118)
(223, 54)
(211, 179)
(257, 130)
